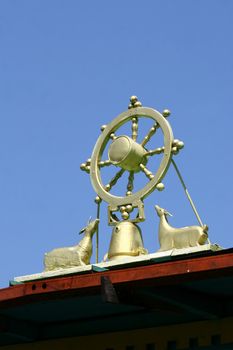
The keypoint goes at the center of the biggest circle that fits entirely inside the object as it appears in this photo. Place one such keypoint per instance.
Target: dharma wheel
(126, 154)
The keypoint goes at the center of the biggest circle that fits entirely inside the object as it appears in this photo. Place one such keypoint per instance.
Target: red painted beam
(216, 265)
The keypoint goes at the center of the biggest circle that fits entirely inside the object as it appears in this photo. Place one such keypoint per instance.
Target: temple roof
(173, 290)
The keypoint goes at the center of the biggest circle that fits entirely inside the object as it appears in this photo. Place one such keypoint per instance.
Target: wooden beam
(164, 273)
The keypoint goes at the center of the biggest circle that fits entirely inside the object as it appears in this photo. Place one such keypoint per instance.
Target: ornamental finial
(134, 102)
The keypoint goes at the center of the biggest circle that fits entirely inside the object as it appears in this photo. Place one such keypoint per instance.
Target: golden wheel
(130, 156)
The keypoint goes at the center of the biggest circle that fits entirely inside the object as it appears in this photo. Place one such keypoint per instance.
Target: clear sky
(66, 68)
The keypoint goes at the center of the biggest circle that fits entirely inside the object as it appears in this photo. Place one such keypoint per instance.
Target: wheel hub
(127, 154)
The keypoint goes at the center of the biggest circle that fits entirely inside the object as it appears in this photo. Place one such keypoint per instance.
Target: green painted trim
(99, 269)
(162, 259)
(14, 283)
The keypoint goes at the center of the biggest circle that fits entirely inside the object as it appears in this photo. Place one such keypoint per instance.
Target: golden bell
(126, 241)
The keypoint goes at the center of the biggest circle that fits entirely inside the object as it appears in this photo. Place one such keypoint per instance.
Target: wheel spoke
(104, 163)
(146, 171)
(151, 132)
(114, 180)
(155, 151)
(134, 128)
(130, 183)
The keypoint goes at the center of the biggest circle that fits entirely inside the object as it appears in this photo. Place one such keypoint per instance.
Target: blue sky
(66, 68)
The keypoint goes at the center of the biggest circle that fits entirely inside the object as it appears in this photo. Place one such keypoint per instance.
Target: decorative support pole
(187, 193)
(98, 201)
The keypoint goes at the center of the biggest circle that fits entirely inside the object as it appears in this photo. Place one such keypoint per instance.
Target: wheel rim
(140, 112)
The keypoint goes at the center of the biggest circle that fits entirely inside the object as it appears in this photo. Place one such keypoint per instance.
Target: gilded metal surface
(171, 237)
(130, 183)
(140, 113)
(151, 132)
(131, 156)
(104, 163)
(86, 166)
(126, 241)
(134, 128)
(158, 150)
(177, 145)
(98, 201)
(134, 103)
(114, 180)
(147, 172)
(78, 255)
(166, 113)
(128, 208)
(127, 153)
(160, 186)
